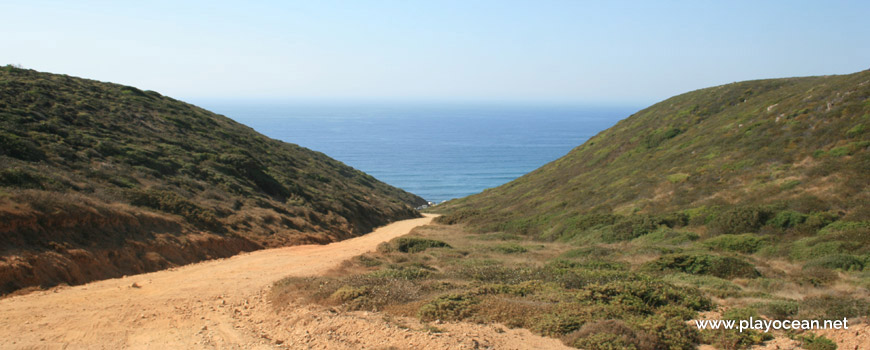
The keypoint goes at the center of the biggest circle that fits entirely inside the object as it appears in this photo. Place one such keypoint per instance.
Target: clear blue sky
(519, 51)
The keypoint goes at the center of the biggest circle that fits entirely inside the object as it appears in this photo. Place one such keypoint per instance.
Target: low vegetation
(784, 153)
(148, 166)
(737, 201)
(637, 294)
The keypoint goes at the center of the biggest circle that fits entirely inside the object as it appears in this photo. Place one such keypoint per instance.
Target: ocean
(436, 151)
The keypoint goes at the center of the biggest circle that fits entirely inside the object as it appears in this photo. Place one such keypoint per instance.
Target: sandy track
(223, 304)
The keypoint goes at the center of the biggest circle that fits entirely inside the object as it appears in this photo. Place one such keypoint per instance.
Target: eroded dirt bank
(223, 304)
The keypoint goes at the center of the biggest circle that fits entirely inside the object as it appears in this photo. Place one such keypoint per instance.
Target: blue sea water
(438, 152)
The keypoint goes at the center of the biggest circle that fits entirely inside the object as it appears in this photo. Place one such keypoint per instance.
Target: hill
(748, 200)
(798, 144)
(101, 180)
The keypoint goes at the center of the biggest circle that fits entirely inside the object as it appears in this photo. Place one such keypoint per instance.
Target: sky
(584, 52)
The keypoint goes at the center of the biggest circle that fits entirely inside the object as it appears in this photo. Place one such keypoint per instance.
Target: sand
(223, 304)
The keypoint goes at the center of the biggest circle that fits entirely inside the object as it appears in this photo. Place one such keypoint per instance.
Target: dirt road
(223, 304)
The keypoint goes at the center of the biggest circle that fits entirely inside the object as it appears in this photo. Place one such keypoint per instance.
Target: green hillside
(744, 200)
(790, 145)
(100, 179)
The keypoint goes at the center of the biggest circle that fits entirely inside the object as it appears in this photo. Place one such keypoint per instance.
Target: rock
(135, 285)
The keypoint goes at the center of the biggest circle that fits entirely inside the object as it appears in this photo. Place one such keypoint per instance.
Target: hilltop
(101, 180)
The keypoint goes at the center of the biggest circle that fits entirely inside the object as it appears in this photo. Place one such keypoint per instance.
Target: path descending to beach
(224, 304)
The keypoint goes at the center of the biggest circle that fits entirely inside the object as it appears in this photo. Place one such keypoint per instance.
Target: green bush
(814, 342)
(815, 247)
(740, 220)
(743, 243)
(787, 219)
(666, 235)
(498, 236)
(448, 307)
(817, 276)
(656, 138)
(711, 285)
(645, 295)
(19, 147)
(632, 227)
(671, 333)
(402, 272)
(416, 244)
(588, 252)
(778, 309)
(559, 322)
(582, 276)
(818, 220)
(21, 178)
(509, 248)
(593, 220)
(610, 335)
(492, 273)
(346, 294)
(173, 203)
(734, 339)
(833, 307)
(843, 262)
(704, 264)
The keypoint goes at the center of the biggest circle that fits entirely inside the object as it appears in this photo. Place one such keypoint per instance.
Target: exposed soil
(224, 304)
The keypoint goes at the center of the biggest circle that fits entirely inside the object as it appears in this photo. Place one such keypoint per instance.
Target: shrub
(645, 294)
(632, 227)
(818, 220)
(588, 252)
(509, 248)
(817, 276)
(843, 262)
(581, 277)
(402, 272)
(656, 138)
(740, 220)
(17, 177)
(593, 220)
(18, 147)
(173, 203)
(677, 178)
(498, 236)
(457, 217)
(711, 285)
(448, 307)
(492, 273)
(814, 248)
(813, 342)
(705, 264)
(559, 322)
(832, 307)
(731, 338)
(787, 219)
(610, 335)
(671, 333)
(346, 294)
(417, 244)
(778, 309)
(744, 243)
(666, 235)
(785, 186)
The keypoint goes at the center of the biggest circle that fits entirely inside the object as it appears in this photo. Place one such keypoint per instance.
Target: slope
(100, 180)
(798, 144)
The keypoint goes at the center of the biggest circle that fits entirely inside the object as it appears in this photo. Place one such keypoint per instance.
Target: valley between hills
(133, 220)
